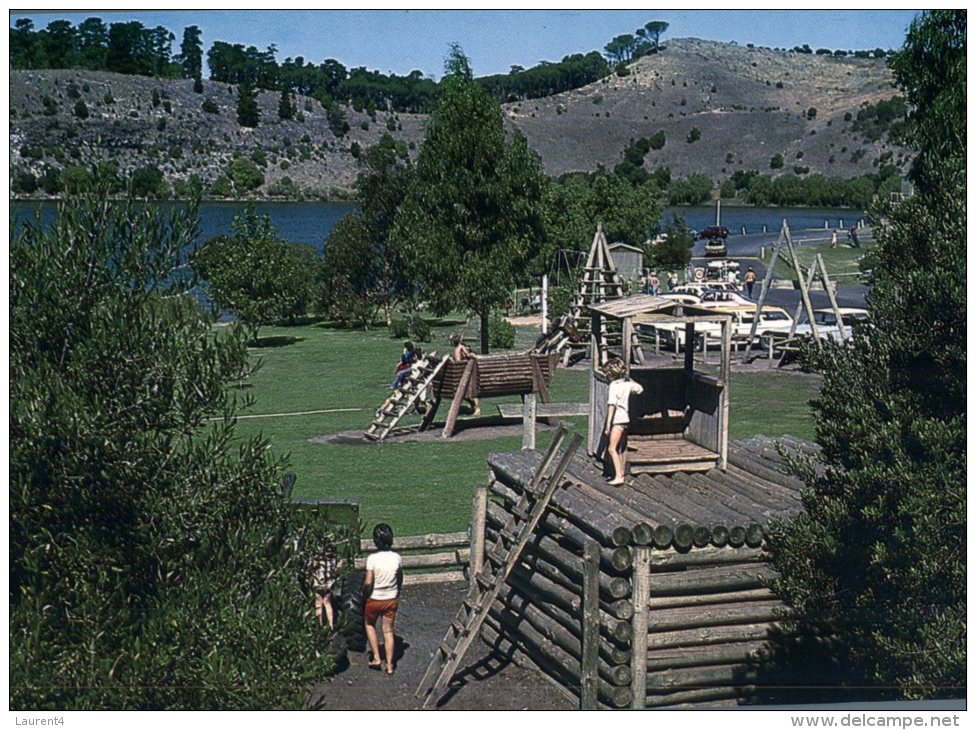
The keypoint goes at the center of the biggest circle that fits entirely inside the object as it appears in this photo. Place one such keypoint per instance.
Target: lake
(310, 223)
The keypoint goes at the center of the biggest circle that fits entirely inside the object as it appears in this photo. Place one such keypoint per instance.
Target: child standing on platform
(618, 413)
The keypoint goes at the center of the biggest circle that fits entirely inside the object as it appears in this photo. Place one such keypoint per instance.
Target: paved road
(746, 249)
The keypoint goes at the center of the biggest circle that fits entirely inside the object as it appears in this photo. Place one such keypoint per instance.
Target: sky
(400, 41)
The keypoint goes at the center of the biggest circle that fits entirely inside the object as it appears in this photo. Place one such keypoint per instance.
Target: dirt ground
(485, 681)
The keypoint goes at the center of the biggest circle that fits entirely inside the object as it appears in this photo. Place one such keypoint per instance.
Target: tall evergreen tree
(474, 215)
(191, 53)
(286, 103)
(879, 557)
(248, 114)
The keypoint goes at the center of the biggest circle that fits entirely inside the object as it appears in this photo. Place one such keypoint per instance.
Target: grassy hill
(748, 105)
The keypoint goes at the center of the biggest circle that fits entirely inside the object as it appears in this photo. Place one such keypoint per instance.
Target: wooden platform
(646, 455)
(546, 410)
(753, 490)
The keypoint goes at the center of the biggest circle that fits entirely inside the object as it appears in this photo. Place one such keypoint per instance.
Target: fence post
(589, 677)
(479, 509)
(528, 421)
(639, 623)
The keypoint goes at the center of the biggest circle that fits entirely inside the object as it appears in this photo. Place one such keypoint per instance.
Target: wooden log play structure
(526, 374)
(654, 594)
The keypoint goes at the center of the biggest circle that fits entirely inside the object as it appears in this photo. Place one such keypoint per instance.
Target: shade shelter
(680, 421)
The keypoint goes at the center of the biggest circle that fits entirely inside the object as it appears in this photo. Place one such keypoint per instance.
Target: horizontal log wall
(434, 558)
(499, 375)
(709, 607)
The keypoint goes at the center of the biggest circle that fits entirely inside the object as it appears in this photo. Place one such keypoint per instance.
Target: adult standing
(750, 281)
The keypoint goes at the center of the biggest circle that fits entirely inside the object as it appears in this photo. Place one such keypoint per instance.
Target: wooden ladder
(399, 404)
(499, 562)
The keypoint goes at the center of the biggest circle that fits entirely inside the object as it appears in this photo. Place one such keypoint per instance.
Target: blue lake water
(310, 223)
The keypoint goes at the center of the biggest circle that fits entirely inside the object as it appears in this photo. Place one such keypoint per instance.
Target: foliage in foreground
(879, 558)
(153, 563)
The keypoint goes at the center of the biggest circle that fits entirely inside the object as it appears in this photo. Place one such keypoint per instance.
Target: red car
(714, 232)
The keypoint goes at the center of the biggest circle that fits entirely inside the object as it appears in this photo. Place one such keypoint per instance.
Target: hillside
(748, 105)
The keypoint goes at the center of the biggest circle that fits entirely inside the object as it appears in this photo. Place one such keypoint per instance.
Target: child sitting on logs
(407, 359)
(618, 414)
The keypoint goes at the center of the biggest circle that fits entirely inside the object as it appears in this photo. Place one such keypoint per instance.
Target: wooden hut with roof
(680, 421)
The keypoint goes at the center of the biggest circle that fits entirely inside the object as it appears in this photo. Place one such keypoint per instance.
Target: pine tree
(247, 105)
(878, 560)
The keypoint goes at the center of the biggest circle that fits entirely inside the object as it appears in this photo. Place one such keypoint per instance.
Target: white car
(826, 321)
(772, 320)
(725, 296)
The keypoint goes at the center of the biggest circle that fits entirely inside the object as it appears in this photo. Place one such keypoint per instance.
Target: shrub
(198, 86)
(210, 107)
(694, 135)
(420, 329)
(776, 161)
(399, 329)
(501, 333)
(108, 98)
(138, 514)
(811, 113)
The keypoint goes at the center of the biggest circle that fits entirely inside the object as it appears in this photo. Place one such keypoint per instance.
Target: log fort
(653, 594)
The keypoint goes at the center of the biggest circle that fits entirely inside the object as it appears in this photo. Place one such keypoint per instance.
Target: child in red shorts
(381, 587)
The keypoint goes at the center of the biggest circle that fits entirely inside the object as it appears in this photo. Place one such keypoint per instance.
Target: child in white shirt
(381, 587)
(618, 413)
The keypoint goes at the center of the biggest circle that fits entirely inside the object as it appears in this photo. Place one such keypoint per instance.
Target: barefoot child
(323, 582)
(381, 587)
(618, 413)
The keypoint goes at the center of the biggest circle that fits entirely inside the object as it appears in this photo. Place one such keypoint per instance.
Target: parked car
(826, 321)
(714, 232)
(716, 247)
(771, 320)
(727, 296)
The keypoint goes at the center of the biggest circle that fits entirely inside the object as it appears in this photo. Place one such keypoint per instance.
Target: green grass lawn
(427, 487)
(841, 262)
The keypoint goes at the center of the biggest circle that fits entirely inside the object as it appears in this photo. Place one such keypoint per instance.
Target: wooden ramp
(489, 580)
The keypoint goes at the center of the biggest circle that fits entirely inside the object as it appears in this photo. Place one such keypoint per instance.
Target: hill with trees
(763, 125)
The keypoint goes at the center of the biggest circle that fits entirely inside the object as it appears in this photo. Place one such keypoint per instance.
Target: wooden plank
(545, 410)
(412, 542)
(479, 509)
(458, 398)
(639, 623)
(448, 576)
(590, 625)
(455, 558)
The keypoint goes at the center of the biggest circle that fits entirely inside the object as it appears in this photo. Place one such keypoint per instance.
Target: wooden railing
(435, 558)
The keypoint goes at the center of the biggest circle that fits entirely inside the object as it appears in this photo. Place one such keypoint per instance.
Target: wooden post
(830, 295)
(726, 373)
(804, 287)
(458, 398)
(705, 348)
(479, 509)
(627, 331)
(689, 346)
(528, 421)
(639, 622)
(589, 677)
(767, 280)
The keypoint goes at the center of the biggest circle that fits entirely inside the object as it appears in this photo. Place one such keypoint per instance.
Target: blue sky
(400, 41)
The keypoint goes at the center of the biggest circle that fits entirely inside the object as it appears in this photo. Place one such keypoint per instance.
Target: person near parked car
(750, 281)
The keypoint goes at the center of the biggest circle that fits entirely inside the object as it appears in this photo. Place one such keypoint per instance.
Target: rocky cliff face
(747, 105)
